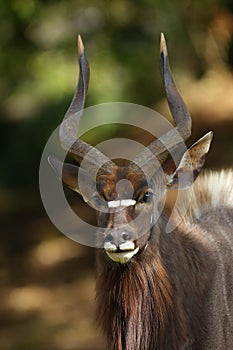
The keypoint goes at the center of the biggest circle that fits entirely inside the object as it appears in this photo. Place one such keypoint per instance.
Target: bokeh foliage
(38, 73)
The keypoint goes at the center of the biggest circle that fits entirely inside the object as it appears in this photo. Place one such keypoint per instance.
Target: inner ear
(190, 164)
(74, 177)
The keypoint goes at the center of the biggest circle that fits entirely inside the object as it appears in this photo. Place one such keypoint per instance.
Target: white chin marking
(122, 257)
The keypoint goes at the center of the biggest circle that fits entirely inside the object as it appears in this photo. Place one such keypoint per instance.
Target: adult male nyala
(156, 290)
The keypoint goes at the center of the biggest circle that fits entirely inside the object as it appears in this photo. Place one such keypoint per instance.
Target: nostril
(126, 236)
(109, 244)
(108, 238)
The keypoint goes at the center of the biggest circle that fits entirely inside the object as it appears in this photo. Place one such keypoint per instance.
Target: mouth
(123, 254)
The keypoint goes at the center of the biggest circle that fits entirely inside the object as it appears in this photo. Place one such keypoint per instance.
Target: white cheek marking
(123, 202)
(129, 245)
(110, 246)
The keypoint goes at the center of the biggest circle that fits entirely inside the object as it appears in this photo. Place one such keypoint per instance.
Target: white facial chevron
(121, 203)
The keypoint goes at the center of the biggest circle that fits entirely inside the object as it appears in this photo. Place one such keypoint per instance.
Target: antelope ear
(191, 163)
(72, 176)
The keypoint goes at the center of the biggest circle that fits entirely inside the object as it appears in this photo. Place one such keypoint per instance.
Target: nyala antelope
(157, 290)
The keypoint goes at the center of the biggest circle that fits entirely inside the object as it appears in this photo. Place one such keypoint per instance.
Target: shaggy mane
(212, 190)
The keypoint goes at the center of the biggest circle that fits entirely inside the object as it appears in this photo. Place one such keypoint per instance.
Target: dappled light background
(47, 280)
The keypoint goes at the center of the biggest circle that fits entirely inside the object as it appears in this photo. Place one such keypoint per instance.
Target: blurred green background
(47, 281)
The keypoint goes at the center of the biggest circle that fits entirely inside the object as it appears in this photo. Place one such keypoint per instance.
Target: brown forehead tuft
(106, 184)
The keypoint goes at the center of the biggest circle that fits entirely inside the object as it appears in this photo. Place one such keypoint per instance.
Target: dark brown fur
(176, 291)
(156, 301)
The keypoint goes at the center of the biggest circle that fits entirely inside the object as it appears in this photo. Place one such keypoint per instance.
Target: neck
(148, 303)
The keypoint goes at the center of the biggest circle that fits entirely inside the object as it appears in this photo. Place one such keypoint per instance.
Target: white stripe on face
(123, 203)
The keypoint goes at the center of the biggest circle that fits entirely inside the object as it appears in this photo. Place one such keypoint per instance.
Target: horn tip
(209, 136)
(50, 160)
(80, 46)
(56, 165)
(53, 162)
(163, 45)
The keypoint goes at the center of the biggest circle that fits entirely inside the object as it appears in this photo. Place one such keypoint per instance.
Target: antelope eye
(147, 197)
(97, 201)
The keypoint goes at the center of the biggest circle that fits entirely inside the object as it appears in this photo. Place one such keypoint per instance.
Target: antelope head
(128, 199)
